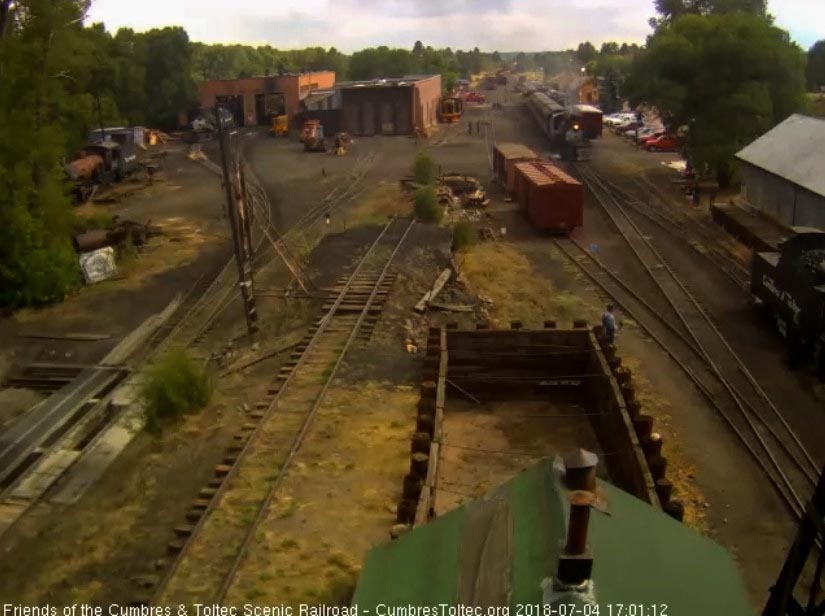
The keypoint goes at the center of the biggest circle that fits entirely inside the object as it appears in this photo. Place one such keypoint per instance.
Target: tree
(169, 86)
(37, 55)
(816, 66)
(726, 78)
(610, 49)
(586, 52)
(418, 48)
(670, 10)
(496, 57)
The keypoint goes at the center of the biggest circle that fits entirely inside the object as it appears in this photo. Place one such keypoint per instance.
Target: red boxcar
(550, 198)
(505, 155)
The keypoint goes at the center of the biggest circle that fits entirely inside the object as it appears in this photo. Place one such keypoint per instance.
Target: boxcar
(505, 156)
(551, 200)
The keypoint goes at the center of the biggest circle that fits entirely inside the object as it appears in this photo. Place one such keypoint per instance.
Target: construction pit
(494, 402)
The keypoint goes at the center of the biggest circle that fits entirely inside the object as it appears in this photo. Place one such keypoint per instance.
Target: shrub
(423, 169)
(426, 205)
(464, 234)
(175, 384)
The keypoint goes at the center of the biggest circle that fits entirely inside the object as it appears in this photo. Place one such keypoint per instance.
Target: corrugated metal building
(783, 172)
(390, 106)
(256, 99)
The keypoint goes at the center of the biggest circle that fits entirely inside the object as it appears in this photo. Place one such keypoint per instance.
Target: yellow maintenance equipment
(280, 126)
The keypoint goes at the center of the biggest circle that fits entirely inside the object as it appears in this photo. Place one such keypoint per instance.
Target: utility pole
(242, 258)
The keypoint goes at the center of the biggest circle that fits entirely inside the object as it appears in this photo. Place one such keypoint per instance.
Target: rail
(305, 420)
(704, 333)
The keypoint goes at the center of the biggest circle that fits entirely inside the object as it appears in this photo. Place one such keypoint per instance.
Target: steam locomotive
(790, 286)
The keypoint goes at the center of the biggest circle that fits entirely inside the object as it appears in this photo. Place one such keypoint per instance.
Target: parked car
(614, 119)
(663, 143)
(475, 97)
(647, 133)
(626, 126)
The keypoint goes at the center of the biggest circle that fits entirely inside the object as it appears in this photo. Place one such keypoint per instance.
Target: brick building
(254, 100)
(388, 106)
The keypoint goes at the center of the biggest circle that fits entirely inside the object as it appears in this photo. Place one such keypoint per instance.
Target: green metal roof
(498, 549)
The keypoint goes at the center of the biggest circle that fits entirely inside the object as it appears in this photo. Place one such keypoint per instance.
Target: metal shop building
(256, 99)
(378, 107)
(783, 173)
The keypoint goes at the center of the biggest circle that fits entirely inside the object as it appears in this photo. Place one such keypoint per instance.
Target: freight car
(551, 117)
(505, 156)
(790, 286)
(589, 118)
(550, 199)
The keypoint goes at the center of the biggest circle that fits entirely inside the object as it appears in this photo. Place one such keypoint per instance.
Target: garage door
(402, 119)
(368, 119)
(387, 120)
(352, 119)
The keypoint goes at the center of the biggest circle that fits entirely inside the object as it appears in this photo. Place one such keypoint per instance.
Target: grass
(90, 217)
(380, 203)
(423, 168)
(464, 235)
(502, 273)
(172, 386)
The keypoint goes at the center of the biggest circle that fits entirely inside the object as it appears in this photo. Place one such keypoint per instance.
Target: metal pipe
(580, 501)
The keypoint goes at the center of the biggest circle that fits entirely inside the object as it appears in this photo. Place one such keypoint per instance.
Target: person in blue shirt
(609, 324)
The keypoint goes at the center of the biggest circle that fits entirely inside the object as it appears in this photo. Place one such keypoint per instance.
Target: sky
(349, 25)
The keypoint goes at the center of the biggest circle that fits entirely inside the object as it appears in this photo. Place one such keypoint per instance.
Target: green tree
(670, 10)
(37, 263)
(586, 52)
(726, 78)
(816, 66)
(169, 85)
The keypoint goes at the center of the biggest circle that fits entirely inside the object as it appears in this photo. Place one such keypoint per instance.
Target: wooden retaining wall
(574, 365)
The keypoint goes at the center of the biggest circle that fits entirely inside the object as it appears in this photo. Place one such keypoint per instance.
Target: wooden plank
(422, 512)
(76, 336)
(451, 307)
(432, 468)
(432, 293)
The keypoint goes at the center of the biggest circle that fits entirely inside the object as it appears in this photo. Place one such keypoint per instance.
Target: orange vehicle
(451, 109)
(310, 130)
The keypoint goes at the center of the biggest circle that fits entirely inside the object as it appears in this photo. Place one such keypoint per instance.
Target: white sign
(98, 265)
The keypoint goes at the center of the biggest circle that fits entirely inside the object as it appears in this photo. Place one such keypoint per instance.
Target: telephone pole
(243, 257)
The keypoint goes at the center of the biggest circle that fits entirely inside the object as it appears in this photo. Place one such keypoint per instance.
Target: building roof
(497, 551)
(317, 96)
(387, 82)
(543, 173)
(515, 150)
(793, 151)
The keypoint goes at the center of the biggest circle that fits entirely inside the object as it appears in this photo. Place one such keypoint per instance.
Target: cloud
(504, 25)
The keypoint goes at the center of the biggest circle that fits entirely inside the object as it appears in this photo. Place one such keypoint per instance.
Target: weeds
(464, 234)
(426, 205)
(423, 169)
(175, 384)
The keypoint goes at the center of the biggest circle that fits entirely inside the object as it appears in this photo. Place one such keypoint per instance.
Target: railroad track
(702, 350)
(692, 232)
(213, 546)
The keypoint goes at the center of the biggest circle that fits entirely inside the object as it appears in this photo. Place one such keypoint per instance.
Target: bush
(175, 384)
(426, 205)
(423, 169)
(464, 234)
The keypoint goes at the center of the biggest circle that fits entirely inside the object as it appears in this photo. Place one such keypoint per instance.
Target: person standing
(609, 324)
